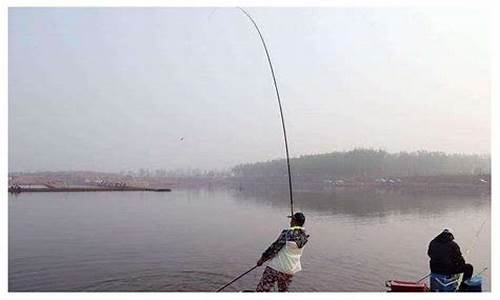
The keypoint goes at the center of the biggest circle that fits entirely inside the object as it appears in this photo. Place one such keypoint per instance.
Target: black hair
(299, 218)
(299, 222)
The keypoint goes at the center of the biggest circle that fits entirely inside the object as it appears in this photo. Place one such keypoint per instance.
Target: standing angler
(285, 252)
(284, 255)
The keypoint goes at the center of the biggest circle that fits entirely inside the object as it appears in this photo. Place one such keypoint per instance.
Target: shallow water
(199, 240)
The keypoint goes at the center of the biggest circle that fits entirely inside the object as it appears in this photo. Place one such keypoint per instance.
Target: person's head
(445, 235)
(298, 219)
(447, 231)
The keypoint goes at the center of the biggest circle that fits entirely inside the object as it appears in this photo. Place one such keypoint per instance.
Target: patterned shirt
(285, 252)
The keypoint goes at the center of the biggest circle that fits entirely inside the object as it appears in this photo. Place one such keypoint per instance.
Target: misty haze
(132, 130)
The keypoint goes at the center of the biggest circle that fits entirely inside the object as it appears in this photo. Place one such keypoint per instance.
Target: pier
(86, 189)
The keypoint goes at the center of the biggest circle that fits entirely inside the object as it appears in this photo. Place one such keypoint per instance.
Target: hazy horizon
(241, 163)
(116, 89)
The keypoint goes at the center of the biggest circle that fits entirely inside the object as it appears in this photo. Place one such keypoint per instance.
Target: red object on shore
(406, 286)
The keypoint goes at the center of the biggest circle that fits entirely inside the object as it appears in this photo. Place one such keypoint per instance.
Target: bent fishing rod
(279, 104)
(284, 132)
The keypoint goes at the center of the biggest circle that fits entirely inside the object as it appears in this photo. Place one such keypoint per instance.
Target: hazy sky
(115, 89)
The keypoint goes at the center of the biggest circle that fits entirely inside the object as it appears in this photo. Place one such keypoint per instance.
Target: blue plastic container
(474, 284)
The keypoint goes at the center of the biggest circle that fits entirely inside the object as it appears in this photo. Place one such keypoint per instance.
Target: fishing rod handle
(228, 284)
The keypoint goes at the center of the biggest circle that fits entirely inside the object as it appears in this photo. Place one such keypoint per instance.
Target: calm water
(199, 240)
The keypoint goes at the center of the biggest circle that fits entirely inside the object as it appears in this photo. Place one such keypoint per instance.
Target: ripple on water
(162, 281)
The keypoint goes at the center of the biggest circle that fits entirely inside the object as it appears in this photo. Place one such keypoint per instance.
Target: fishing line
(476, 238)
(279, 104)
(211, 13)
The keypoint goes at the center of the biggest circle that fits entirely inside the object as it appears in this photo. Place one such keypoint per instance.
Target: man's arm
(273, 249)
(458, 259)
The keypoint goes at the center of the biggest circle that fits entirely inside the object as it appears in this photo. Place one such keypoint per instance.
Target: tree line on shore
(370, 163)
(357, 163)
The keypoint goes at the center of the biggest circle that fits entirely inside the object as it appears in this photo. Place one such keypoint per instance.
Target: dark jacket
(446, 258)
(295, 234)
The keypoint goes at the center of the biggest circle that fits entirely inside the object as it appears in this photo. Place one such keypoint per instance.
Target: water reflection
(365, 203)
(197, 240)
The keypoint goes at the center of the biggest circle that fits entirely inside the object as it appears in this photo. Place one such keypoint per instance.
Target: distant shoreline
(94, 181)
(14, 190)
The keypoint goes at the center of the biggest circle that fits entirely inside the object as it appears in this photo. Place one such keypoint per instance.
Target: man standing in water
(446, 262)
(284, 255)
